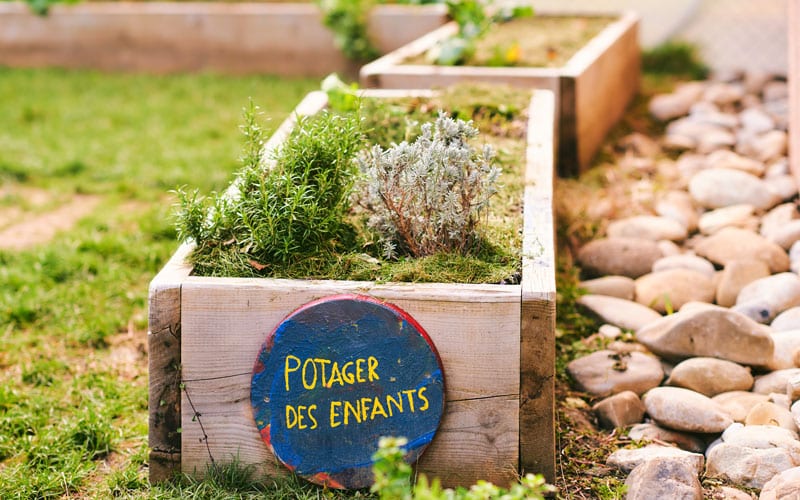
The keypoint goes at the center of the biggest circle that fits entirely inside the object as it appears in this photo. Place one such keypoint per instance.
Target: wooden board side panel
(794, 88)
(537, 327)
(605, 87)
(164, 344)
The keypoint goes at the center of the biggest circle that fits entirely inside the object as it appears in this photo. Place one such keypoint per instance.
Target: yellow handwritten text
(313, 371)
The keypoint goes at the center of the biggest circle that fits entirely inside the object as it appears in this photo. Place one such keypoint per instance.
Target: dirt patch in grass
(41, 228)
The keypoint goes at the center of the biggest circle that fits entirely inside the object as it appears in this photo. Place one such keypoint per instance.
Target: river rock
(739, 403)
(723, 187)
(733, 216)
(736, 275)
(628, 459)
(770, 296)
(749, 467)
(774, 381)
(728, 159)
(663, 478)
(733, 243)
(619, 312)
(620, 410)
(651, 432)
(786, 344)
(723, 93)
(632, 257)
(778, 217)
(775, 90)
(710, 376)
(678, 206)
(762, 436)
(787, 320)
(783, 486)
(621, 287)
(765, 147)
(784, 185)
(606, 372)
(649, 227)
(708, 331)
(794, 257)
(786, 235)
(768, 413)
(685, 410)
(668, 106)
(685, 261)
(673, 288)
(756, 121)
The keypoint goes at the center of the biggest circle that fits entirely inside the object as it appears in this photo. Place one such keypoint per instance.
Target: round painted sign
(338, 374)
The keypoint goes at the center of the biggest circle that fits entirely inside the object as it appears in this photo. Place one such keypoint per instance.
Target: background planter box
(161, 37)
(592, 89)
(496, 342)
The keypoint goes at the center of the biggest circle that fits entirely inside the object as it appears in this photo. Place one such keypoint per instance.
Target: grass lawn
(73, 308)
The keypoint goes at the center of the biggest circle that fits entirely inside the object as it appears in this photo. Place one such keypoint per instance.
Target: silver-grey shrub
(428, 196)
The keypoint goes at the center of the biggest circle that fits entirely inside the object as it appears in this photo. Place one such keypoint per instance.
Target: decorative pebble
(628, 459)
(770, 414)
(787, 320)
(685, 261)
(632, 257)
(733, 216)
(723, 187)
(782, 486)
(770, 295)
(736, 275)
(670, 289)
(663, 478)
(604, 373)
(786, 344)
(625, 314)
(621, 287)
(649, 227)
(739, 403)
(708, 331)
(732, 243)
(710, 376)
(774, 381)
(685, 410)
(620, 410)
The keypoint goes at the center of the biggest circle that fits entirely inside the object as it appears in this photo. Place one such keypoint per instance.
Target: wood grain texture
(225, 321)
(164, 338)
(537, 330)
(794, 88)
(607, 73)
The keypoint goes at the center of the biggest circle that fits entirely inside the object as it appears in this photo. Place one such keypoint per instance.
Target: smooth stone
(714, 140)
(678, 142)
(794, 257)
(793, 390)
(786, 235)
(739, 403)
(784, 185)
(762, 437)
(736, 275)
(774, 381)
(648, 432)
(764, 147)
(781, 400)
(756, 120)
(732, 216)
(728, 159)
(773, 294)
(713, 116)
(723, 187)
(778, 217)
(749, 467)
(768, 413)
(668, 106)
(786, 344)
(722, 93)
(778, 167)
(710, 376)
(755, 79)
(649, 227)
(775, 90)
(678, 206)
(620, 410)
(639, 144)
(732, 243)
(685, 410)
(663, 478)
(795, 411)
(787, 320)
(606, 372)
(729, 493)
(625, 314)
(696, 129)
(783, 486)
(685, 261)
(668, 248)
(627, 347)
(708, 331)
(672, 288)
(621, 287)
(628, 459)
(632, 257)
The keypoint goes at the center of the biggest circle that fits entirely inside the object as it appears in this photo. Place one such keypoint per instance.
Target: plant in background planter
(495, 340)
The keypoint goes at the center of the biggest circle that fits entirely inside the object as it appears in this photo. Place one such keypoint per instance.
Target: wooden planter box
(163, 37)
(592, 89)
(496, 342)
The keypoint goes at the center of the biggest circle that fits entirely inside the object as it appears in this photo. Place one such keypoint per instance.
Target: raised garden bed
(496, 344)
(592, 88)
(280, 38)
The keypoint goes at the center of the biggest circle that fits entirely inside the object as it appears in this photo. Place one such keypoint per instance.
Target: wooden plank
(164, 338)
(794, 88)
(607, 73)
(224, 322)
(537, 329)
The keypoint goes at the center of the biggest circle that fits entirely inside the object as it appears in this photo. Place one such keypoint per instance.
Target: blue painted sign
(338, 374)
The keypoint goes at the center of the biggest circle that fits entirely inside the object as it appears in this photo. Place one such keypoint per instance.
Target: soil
(539, 41)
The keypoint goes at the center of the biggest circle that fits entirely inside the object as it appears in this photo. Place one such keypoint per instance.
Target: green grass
(73, 377)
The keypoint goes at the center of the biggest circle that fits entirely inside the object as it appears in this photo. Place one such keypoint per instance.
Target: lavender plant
(428, 196)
